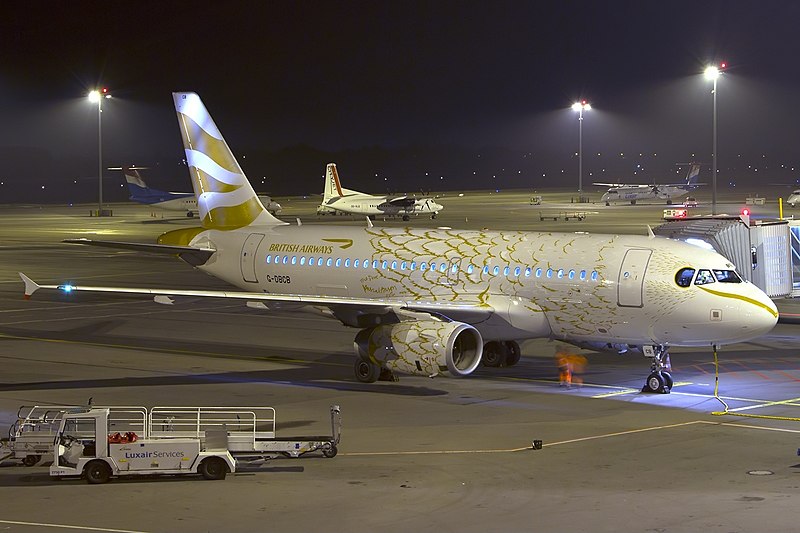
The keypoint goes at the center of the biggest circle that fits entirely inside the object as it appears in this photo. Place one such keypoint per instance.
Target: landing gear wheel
(667, 380)
(495, 354)
(657, 383)
(213, 468)
(31, 460)
(514, 353)
(366, 372)
(330, 452)
(97, 472)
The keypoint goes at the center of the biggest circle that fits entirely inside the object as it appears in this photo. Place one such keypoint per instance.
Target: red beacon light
(745, 212)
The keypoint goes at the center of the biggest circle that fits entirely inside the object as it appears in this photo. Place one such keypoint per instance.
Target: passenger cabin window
(727, 276)
(704, 277)
(684, 277)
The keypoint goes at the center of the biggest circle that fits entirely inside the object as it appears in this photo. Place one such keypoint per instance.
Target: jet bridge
(765, 252)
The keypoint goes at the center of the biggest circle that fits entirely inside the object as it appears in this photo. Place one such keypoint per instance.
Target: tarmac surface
(416, 455)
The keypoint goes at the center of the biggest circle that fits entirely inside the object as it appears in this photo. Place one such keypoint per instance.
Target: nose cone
(758, 311)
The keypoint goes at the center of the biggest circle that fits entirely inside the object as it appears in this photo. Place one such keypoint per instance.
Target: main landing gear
(659, 380)
(500, 353)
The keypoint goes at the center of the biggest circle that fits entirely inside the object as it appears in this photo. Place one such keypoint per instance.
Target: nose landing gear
(660, 380)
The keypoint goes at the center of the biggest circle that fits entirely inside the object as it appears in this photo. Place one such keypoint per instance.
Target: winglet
(650, 234)
(369, 223)
(30, 285)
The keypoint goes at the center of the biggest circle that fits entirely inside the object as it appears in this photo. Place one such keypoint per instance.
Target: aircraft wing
(193, 256)
(401, 201)
(342, 307)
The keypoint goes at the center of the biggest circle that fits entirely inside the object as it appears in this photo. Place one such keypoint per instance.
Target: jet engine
(422, 347)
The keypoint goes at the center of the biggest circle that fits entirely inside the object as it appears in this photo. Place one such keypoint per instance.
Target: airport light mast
(712, 73)
(97, 96)
(580, 107)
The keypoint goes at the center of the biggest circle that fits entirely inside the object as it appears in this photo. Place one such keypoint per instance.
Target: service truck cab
(98, 443)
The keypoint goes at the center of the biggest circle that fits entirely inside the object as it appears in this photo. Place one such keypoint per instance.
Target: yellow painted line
(742, 298)
(66, 526)
(766, 404)
(748, 426)
(512, 450)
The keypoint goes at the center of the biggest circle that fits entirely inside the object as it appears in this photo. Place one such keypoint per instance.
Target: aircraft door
(631, 277)
(248, 260)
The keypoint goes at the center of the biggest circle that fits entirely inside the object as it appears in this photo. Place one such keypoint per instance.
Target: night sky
(475, 94)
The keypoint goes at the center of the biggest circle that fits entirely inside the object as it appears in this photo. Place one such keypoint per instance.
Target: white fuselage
(634, 193)
(573, 286)
(365, 204)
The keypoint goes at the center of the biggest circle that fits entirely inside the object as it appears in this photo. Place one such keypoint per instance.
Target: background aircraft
(336, 198)
(173, 201)
(632, 193)
(441, 301)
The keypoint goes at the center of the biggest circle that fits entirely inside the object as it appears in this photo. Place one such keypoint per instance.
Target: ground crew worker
(564, 368)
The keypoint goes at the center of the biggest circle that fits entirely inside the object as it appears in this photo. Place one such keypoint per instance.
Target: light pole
(580, 107)
(97, 97)
(712, 73)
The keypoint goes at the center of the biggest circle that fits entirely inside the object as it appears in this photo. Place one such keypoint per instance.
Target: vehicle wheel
(667, 381)
(97, 472)
(434, 215)
(654, 383)
(495, 354)
(190, 214)
(31, 460)
(405, 218)
(213, 468)
(514, 353)
(366, 372)
(330, 452)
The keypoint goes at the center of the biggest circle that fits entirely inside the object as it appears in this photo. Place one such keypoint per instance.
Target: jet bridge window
(704, 277)
(727, 276)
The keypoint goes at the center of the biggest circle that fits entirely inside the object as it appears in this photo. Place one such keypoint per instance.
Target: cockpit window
(704, 277)
(684, 277)
(727, 276)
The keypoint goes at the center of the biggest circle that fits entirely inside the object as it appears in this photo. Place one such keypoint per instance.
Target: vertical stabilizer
(693, 174)
(333, 187)
(225, 199)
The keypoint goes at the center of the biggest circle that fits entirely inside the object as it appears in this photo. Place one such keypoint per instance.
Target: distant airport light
(580, 107)
(711, 73)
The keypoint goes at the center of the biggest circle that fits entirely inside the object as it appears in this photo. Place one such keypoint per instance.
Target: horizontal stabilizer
(193, 256)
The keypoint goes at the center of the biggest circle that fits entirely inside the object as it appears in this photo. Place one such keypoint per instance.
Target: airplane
(336, 198)
(172, 201)
(619, 192)
(442, 301)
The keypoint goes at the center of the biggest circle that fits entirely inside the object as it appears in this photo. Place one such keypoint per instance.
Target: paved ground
(416, 455)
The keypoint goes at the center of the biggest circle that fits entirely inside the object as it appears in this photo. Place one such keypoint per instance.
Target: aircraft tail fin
(693, 174)
(225, 198)
(140, 191)
(333, 187)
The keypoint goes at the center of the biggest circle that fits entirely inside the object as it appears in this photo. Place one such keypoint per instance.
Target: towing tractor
(85, 447)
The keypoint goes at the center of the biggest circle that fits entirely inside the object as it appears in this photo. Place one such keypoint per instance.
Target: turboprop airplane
(619, 192)
(173, 201)
(441, 301)
(337, 198)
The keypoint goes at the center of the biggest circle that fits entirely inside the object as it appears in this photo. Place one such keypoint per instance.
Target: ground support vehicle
(30, 439)
(99, 443)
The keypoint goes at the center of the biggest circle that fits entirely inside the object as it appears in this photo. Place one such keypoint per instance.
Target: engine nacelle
(426, 348)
